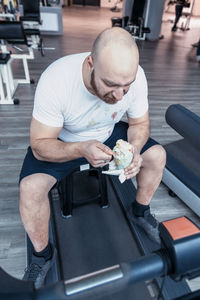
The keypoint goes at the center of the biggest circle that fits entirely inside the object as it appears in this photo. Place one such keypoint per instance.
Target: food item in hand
(123, 154)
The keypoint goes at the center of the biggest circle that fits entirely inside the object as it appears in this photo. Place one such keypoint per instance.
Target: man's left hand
(134, 168)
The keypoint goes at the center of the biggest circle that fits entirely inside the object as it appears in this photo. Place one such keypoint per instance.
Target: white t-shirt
(62, 100)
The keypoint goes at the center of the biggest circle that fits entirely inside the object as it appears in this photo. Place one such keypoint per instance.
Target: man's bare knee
(160, 155)
(35, 185)
(156, 156)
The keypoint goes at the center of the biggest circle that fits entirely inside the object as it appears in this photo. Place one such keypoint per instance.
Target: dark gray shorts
(59, 170)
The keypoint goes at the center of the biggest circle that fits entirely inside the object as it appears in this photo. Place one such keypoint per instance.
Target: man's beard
(106, 98)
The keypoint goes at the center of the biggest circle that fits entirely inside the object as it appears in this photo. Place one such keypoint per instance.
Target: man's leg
(36, 180)
(34, 208)
(35, 214)
(150, 175)
(148, 180)
(179, 9)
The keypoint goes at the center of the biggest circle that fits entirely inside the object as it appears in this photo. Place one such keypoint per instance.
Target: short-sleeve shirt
(62, 100)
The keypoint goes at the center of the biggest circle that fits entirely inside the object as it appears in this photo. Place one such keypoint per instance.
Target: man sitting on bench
(79, 102)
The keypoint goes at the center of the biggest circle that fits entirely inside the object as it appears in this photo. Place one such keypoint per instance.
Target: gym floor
(173, 77)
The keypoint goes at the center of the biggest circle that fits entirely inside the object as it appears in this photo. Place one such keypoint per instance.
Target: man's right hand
(96, 153)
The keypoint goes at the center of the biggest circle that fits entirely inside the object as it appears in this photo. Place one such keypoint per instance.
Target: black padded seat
(12, 32)
(182, 172)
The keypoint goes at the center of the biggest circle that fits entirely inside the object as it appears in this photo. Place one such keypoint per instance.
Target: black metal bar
(106, 281)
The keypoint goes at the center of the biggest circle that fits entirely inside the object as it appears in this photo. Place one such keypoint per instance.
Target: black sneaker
(148, 223)
(38, 269)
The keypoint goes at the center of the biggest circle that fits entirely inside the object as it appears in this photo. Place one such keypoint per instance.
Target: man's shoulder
(140, 75)
(140, 81)
(140, 70)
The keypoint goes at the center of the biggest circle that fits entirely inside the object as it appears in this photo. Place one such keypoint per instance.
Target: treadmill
(96, 238)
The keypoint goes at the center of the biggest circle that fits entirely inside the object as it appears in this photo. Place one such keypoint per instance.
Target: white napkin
(114, 171)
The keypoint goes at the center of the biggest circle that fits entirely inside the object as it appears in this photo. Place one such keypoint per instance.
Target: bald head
(116, 40)
(113, 37)
(111, 68)
(116, 50)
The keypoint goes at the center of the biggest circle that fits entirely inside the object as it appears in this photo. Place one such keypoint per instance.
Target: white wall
(196, 9)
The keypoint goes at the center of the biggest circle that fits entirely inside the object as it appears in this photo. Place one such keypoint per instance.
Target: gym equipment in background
(9, 9)
(31, 22)
(135, 22)
(182, 171)
(87, 2)
(12, 32)
(41, 19)
(142, 18)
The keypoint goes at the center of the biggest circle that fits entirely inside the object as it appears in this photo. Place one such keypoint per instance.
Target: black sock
(46, 252)
(139, 209)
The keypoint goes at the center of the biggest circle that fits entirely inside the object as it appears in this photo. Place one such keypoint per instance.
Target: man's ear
(90, 62)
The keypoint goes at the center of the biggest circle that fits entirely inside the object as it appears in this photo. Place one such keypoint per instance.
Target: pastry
(123, 154)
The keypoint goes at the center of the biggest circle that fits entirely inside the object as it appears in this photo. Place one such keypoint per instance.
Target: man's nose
(118, 93)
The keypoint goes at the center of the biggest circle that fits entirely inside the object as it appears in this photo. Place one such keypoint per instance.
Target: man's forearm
(54, 150)
(138, 135)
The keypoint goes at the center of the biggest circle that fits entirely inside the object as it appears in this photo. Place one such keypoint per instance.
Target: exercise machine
(31, 22)
(142, 18)
(12, 33)
(181, 173)
(136, 20)
(137, 25)
(8, 10)
(100, 236)
(178, 258)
